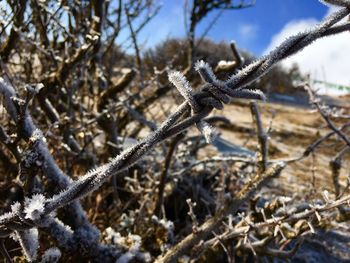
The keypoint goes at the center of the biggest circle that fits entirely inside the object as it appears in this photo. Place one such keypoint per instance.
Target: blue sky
(251, 28)
(261, 28)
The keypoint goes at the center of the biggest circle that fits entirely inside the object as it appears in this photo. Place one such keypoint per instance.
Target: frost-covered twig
(138, 116)
(262, 136)
(29, 241)
(231, 206)
(325, 115)
(164, 174)
(52, 255)
(283, 218)
(316, 143)
(49, 166)
(220, 159)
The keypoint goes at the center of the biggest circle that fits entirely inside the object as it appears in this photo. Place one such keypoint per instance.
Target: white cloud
(248, 31)
(327, 59)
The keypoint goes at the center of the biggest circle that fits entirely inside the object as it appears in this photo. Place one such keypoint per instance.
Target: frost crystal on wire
(16, 208)
(34, 207)
(206, 72)
(207, 130)
(37, 135)
(344, 3)
(183, 86)
(52, 255)
(29, 241)
(61, 232)
(249, 94)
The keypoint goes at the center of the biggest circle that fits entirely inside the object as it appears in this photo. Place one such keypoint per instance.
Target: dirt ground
(292, 130)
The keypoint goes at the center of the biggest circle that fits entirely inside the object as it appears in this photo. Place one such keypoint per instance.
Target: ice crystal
(345, 3)
(206, 72)
(29, 241)
(36, 135)
(52, 255)
(183, 86)
(208, 131)
(132, 244)
(34, 207)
